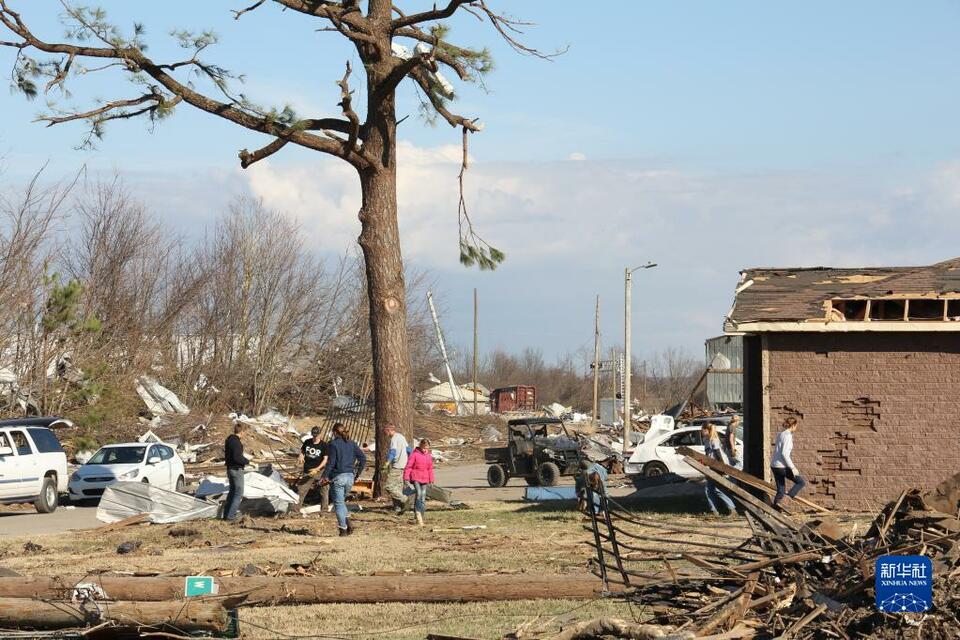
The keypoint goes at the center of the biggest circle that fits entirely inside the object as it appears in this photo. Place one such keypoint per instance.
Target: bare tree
(367, 143)
(258, 310)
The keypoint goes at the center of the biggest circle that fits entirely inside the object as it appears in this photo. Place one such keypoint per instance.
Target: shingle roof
(796, 295)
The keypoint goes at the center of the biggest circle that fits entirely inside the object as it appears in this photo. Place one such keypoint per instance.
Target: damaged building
(867, 360)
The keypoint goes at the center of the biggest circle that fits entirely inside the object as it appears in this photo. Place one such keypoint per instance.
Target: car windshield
(118, 455)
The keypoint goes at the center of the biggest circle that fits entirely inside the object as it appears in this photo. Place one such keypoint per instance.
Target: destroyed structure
(868, 360)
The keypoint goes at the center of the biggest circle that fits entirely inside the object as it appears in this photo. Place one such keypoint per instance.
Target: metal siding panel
(725, 386)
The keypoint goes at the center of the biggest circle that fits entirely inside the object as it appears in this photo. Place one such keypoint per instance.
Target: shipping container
(516, 398)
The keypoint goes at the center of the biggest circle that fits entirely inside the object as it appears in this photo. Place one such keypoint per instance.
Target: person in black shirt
(234, 459)
(313, 456)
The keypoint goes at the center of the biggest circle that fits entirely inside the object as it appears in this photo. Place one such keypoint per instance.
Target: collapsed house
(867, 360)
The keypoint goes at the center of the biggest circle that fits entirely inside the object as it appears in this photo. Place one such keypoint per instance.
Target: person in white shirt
(393, 468)
(782, 463)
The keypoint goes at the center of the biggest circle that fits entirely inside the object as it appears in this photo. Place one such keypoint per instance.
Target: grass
(518, 537)
(413, 621)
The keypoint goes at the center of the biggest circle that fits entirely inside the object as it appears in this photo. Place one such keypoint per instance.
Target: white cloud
(569, 228)
(576, 156)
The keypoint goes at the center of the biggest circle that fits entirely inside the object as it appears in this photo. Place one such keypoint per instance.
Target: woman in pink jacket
(418, 474)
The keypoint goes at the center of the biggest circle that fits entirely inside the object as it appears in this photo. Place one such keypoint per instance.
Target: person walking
(419, 474)
(729, 441)
(781, 464)
(235, 461)
(396, 462)
(345, 461)
(313, 457)
(713, 449)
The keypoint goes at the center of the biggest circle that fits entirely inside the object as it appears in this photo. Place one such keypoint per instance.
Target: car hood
(100, 470)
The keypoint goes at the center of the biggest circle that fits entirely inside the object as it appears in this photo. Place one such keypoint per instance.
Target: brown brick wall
(878, 412)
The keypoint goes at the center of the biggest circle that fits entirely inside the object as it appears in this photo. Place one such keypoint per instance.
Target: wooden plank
(745, 477)
(126, 522)
(767, 510)
(802, 622)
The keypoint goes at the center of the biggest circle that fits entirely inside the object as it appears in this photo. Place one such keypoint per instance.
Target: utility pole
(454, 390)
(475, 317)
(596, 364)
(628, 355)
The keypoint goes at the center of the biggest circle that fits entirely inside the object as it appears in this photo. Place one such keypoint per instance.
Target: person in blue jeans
(713, 449)
(345, 461)
(235, 460)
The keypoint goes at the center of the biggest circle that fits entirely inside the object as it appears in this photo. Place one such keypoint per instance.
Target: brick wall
(878, 412)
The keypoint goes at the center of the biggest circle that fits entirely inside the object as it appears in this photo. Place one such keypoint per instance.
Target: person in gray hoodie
(782, 464)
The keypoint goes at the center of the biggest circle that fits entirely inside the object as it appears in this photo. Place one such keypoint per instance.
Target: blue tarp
(541, 494)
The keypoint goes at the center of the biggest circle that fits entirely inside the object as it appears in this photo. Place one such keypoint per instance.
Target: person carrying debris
(734, 431)
(313, 457)
(419, 474)
(394, 466)
(345, 461)
(235, 461)
(713, 449)
(782, 464)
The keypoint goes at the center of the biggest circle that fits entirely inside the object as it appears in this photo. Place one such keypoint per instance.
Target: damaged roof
(798, 294)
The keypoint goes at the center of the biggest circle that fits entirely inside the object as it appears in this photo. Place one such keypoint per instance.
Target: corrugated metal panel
(725, 382)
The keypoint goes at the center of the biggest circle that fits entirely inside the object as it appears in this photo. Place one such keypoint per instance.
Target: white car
(656, 454)
(152, 463)
(33, 466)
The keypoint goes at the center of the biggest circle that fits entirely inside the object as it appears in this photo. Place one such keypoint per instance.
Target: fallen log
(265, 590)
(198, 615)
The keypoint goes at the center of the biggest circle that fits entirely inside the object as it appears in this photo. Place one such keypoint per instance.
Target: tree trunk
(386, 291)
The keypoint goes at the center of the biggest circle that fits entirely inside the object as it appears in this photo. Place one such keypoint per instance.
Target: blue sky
(706, 136)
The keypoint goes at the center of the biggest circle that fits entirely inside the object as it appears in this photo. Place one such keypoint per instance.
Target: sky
(704, 136)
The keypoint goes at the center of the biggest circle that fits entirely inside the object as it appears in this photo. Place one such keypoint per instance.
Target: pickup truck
(33, 466)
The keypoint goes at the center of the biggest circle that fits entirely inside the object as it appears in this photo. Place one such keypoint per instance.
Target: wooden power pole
(596, 364)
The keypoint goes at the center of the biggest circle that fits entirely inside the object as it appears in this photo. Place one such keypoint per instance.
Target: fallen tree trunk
(24, 613)
(264, 590)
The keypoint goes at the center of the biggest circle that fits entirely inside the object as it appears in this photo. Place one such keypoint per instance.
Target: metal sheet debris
(125, 499)
(159, 399)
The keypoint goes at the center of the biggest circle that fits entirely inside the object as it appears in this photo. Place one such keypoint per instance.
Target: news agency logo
(904, 584)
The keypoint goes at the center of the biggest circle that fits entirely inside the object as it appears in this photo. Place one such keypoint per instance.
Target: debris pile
(787, 579)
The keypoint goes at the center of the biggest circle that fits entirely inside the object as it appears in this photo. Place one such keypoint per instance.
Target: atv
(533, 454)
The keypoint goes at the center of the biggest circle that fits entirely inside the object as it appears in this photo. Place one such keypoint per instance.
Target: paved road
(25, 523)
(468, 483)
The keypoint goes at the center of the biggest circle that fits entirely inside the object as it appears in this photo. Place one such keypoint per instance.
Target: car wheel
(549, 474)
(654, 469)
(181, 485)
(496, 475)
(46, 502)
(532, 481)
(145, 481)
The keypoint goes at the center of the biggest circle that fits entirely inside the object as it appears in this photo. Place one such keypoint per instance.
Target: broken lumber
(745, 477)
(267, 590)
(602, 627)
(199, 615)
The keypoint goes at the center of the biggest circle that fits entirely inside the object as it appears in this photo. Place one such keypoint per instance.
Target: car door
(667, 452)
(154, 472)
(28, 462)
(9, 470)
(166, 455)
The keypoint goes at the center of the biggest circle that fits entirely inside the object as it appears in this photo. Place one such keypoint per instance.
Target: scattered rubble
(789, 579)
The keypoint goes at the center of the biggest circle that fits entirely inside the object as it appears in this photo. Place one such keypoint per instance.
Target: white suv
(33, 466)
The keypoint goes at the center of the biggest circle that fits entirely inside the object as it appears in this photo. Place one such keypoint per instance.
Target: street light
(627, 320)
